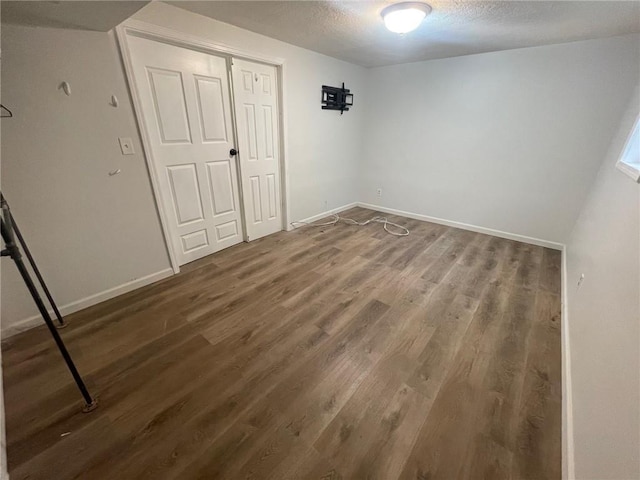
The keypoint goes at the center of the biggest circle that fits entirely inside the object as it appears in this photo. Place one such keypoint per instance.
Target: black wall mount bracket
(336, 98)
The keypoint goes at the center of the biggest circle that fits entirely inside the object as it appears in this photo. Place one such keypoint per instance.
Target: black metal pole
(13, 251)
(32, 262)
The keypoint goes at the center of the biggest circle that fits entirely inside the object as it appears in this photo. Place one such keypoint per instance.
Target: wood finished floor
(323, 353)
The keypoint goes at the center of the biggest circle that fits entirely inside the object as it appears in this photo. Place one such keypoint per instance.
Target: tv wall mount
(336, 98)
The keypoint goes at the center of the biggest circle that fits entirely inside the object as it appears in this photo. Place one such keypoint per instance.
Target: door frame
(184, 40)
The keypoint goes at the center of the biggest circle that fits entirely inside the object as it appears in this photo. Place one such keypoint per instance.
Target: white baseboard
(465, 226)
(568, 459)
(89, 301)
(323, 214)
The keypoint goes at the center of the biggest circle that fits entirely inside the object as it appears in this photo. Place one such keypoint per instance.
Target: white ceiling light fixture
(405, 17)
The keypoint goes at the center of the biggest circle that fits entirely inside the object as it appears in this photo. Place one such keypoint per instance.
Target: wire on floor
(400, 232)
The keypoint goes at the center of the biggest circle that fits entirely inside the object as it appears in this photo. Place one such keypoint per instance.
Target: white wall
(604, 318)
(4, 475)
(507, 140)
(89, 232)
(92, 233)
(324, 147)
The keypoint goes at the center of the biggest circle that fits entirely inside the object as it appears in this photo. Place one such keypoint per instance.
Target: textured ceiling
(353, 30)
(90, 15)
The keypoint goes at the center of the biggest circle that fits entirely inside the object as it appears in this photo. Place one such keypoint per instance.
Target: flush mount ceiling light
(405, 17)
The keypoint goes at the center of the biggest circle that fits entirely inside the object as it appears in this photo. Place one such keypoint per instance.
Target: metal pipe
(12, 250)
(37, 272)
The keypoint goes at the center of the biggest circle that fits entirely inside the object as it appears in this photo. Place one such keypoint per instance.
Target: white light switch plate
(126, 145)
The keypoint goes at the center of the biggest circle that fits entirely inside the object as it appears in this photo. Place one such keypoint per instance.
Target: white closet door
(187, 112)
(256, 106)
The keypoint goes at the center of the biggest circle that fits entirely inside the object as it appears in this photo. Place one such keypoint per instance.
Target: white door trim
(185, 40)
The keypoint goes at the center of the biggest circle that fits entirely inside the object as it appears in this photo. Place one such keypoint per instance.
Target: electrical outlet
(379, 192)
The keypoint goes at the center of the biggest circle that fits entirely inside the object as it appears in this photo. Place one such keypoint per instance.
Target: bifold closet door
(187, 114)
(257, 118)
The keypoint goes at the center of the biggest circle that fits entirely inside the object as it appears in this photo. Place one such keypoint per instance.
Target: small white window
(629, 161)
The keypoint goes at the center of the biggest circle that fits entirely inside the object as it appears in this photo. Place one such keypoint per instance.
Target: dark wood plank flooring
(323, 353)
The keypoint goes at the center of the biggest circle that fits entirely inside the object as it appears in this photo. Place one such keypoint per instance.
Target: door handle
(233, 152)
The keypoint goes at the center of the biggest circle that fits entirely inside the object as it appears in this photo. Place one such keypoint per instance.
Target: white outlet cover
(126, 146)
